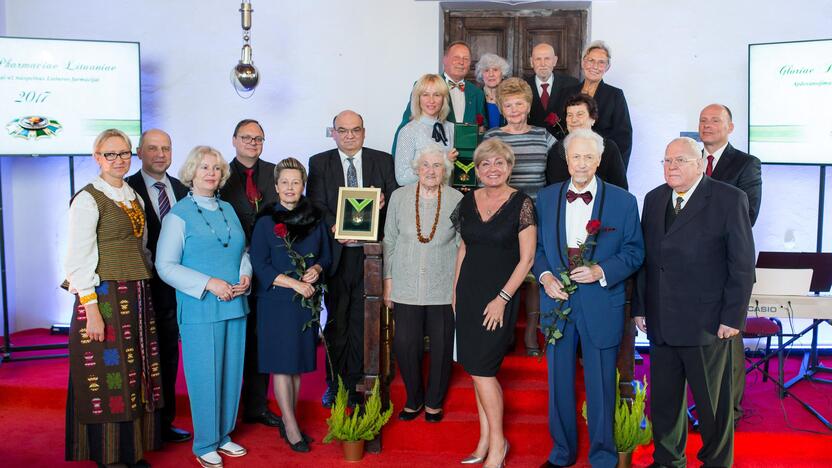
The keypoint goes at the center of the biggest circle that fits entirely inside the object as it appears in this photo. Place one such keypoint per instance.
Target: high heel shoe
(472, 460)
(503, 461)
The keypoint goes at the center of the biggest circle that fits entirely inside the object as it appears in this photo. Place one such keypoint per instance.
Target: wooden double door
(512, 34)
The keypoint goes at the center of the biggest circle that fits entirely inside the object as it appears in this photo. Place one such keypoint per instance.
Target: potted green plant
(632, 428)
(353, 426)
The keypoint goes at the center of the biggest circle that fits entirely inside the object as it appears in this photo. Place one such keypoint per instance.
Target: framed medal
(358, 213)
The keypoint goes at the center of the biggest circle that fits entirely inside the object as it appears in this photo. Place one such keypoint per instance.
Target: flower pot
(353, 450)
(625, 460)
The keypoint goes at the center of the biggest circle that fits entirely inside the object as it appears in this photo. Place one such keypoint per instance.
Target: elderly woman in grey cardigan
(420, 245)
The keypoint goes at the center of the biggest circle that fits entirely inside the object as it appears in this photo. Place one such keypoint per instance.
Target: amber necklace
(136, 215)
(419, 235)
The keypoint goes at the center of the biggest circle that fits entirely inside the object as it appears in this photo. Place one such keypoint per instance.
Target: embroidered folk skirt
(114, 397)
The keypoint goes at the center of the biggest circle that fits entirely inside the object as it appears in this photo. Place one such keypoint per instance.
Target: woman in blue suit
(286, 344)
(201, 253)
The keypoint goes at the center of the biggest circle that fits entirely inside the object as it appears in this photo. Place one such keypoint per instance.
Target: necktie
(164, 201)
(544, 96)
(572, 196)
(453, 84)
(252, 193)
(439, 134)
(710, 169)
(352, 175)
(678, 207)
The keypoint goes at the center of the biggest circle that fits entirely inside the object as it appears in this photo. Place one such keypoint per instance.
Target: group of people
(209, 258)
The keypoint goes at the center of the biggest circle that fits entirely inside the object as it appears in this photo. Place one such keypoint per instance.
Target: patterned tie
(710, 169)
(164, 201)
(252, 193)
(678, 207)
(544, 96)
(453, 84)
(352, 175)
(572, 196)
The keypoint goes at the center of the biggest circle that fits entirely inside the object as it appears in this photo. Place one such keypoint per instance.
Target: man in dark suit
(160, 192)
(250, 187)
(547, 87)
(349, 165)
(732, 166)
(597, 317)
(467, 100)
(692, 297)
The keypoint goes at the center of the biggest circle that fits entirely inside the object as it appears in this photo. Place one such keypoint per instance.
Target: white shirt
(153, 192)
(716, 154)
(685, 196)
(457, 99)
(82, 246)
(550, 82)
(356, 161)
(577, 216)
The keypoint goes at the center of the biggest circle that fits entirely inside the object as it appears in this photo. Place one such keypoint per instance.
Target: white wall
(318, 57)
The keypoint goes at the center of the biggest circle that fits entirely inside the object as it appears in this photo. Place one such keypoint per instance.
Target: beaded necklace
(227, 226)
(421, 238)
(136, 215)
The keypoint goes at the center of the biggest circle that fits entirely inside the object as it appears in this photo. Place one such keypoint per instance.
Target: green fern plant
(347, 424)
(631, 428)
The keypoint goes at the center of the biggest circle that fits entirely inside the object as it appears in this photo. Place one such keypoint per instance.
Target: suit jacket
(537, 115)
(613, 115)
(326, 176)
(619, 251)
(234, 192)
(743, 172)
(699, 273)
(610, 170)
(474, 105)
(164, 296)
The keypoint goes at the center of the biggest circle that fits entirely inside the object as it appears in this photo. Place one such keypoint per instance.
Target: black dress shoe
(266, 418)
(405, 415)
(548, 464)
(140, 464)
(174, 434)
(434, 417)
(300, 446)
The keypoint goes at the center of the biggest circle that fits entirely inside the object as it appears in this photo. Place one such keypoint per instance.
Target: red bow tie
(572, 196)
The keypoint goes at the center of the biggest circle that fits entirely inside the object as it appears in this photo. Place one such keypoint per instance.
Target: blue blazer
(619, 252)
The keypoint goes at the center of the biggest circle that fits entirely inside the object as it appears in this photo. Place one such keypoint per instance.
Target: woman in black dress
(497, 225)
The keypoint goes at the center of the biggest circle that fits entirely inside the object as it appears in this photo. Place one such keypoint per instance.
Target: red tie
(572, 196)
(710, 169)
(544, 96)
(251, 190)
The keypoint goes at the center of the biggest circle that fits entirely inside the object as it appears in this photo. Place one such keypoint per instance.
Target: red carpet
(773, 433)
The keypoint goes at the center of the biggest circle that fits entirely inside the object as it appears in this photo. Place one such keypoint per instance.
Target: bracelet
(504, 295)
(88, 298)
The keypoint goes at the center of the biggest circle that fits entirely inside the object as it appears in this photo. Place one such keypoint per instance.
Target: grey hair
(433, 148)
(693, 146)
(188, 170)
(584, 134)
(111, 133)
(599, 45)
(490, 60)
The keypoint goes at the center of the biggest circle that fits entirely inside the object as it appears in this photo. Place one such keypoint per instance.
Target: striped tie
(164, 201)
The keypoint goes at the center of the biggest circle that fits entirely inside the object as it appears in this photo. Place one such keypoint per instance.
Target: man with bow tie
(597, 316)
(467, 101)
(691, 298)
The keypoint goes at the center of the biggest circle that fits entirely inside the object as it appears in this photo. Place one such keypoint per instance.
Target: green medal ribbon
(465, 167)
(359, 205)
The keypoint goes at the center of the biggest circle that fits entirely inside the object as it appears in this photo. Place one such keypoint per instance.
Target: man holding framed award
(349, 184)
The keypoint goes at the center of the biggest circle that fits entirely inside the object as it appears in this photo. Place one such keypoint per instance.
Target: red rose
(480, 119)
(280, 230)
(552, 119)
(593, 226)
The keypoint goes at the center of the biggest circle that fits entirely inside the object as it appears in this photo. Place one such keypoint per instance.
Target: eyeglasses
(252, 140)
(352, 131)
(677, 161)
(596, 63)
(113, 156)
(587, 158)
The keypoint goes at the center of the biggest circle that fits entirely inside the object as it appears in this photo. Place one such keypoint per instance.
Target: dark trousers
(413, 322)
(255, 385)
(738, 373)
(707, 369)
(344, 331)
(167, 330)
